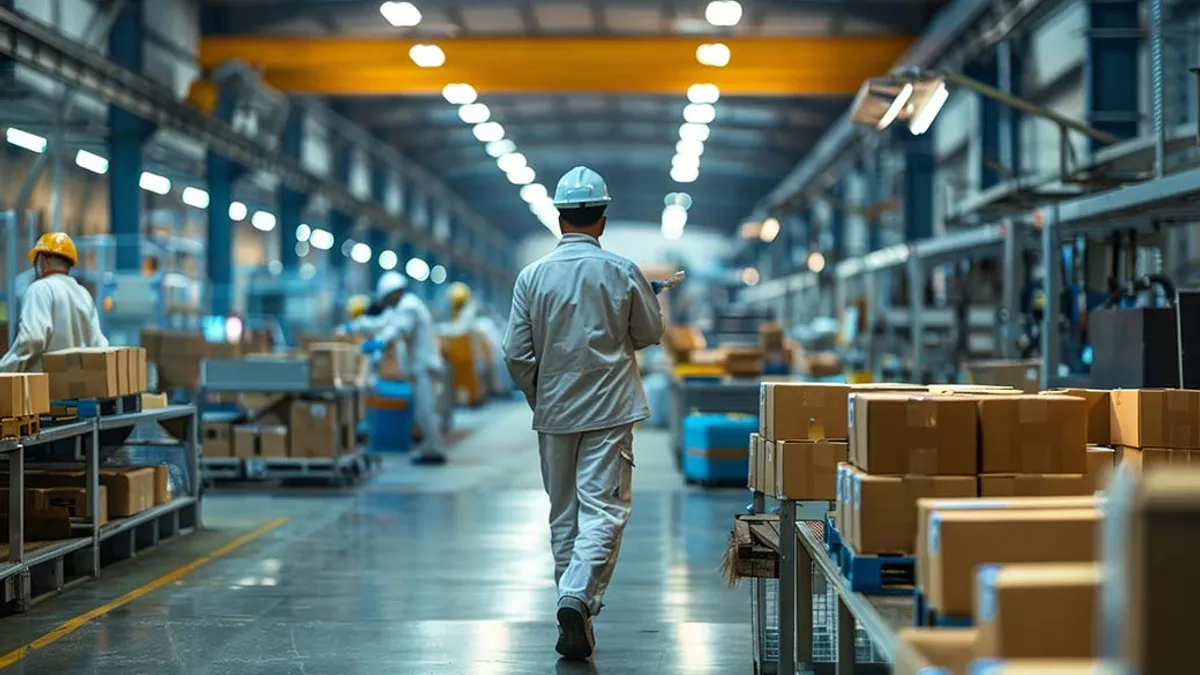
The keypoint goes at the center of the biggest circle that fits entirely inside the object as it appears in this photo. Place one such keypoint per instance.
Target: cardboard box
(807, 470)
(124, 370)
(1153, 537)
(315, 429)
(259, 441)
(972, 390)
(926, 507)
(769, 474)
(883, 512)
(1038, 611)
(918, 649)
(24, 394)
(135, 370)
(924, 435)
(796, 412)
(752, 476)
(961, 541)
(1032, 434)
(1138, 459)
(332, 364)
(130, 489)
(1025, 375)
(1156, 418)
(162, 484)
(73, 500)
(1035, 485)
(153, 401)
(217, 438)
(1099, 412)
(1101, 460)
(92, 372)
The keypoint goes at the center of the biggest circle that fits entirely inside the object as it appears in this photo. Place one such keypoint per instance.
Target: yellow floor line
(71, 625)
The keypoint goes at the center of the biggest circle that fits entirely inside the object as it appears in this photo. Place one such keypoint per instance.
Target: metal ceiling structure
(601, 83)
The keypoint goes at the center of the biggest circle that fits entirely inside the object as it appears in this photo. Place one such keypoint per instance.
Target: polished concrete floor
(424, 571)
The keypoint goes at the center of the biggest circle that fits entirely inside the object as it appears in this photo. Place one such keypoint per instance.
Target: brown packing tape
(1032, 411)
(1178, 401)
(921, 413)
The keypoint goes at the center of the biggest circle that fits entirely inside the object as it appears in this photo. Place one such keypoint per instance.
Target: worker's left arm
(645, 314)
(37, 328)
(519, 351)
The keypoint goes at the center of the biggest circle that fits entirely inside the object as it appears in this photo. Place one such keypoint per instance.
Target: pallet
(925, 617)
(878, 574)
(88, 408)
(12, 428)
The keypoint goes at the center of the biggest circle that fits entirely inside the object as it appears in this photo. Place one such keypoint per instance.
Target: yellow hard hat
(358, 305)
(55, 243)
(459, 293)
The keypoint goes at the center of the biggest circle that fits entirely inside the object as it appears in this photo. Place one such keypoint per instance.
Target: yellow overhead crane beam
(802, 66)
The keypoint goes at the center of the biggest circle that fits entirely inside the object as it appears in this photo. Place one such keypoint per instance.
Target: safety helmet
(459, 293)
(389, 283)
(55, 243)
(581, 188)
(357, 306)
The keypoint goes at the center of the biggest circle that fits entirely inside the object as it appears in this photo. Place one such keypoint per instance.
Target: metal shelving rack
(32, 572)
(249, 376)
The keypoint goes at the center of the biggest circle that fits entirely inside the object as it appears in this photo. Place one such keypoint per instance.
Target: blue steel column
(291, 202)
(127, 134)
(340, 224)
(988, 140)
(1111, 82)
(837, 222)
(222, 174)
(1009, 67)
(377, 239)
(918, 185)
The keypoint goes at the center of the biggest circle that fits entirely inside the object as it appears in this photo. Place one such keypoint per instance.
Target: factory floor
(423, 571)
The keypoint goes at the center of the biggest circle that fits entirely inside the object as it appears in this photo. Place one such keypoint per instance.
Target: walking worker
(56, 311)
(578, 316)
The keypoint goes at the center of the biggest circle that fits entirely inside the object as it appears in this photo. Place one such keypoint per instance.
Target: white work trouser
(425, 410)
(589, 479)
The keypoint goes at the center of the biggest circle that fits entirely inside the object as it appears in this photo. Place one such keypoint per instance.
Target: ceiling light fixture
(694, 132)
(521, 176)
(533, 193)
(704, 93)
(723, 14)
(400, 14)
(361, 253)
(686, 161)
(388, 260)
(501, 147)
(321, 239)
(152, 182)
(769, 230)
(195, 197)
(693, 148)
(458, 93)
(715, 55)
(263, 221)
(474, 113)
(488, 132)
(417, 269)
(427, 56)
(92, 162)
(26, 140)
(684, 174)
(699, 113)
(238, 211)
(511, 162)
(303, 232)
(438, 274)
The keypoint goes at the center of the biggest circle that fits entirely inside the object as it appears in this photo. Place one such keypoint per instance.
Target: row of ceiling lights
(700, 112)
(471, 111)
(264, 221)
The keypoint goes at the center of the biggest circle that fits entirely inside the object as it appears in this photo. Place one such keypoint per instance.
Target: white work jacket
(410, 323)
(578, 316)
(56, 313)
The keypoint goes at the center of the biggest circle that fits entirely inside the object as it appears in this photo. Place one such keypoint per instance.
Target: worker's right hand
(372, 347)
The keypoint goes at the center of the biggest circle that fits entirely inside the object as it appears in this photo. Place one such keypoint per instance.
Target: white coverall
(56, 313)
(578, 316)
(411, 324)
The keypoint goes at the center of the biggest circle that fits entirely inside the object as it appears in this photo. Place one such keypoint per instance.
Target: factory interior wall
(640, 242)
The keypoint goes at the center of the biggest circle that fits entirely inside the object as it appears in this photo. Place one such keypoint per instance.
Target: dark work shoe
(429, 458)
(575, 638)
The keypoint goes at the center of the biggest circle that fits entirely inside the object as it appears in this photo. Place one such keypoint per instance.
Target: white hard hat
(580, 188)
(389, 283)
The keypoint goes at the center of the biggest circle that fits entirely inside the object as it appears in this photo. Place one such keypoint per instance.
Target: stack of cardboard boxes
(96, 372)
(24, 396)
(55, 497)
(278, 427)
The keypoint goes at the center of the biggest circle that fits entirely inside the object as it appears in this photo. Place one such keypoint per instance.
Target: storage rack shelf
(36, 570)
(221, 376)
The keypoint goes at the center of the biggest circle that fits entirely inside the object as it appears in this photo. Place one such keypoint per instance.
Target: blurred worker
(406, 320)
(465, 316)
(56, 312)
(578, 316)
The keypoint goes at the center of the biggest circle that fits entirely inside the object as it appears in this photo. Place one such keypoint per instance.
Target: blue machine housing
(716, 448)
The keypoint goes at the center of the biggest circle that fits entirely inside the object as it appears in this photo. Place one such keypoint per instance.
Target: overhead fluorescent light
(195, 197)
(474, 113)
(699, 113)
(723, 13)
(388, 260)
(715, 55)
(896, 107)
(417, 269)
(458, 93)
(400, 14)
(686, 162)
(303, 232)
(769, 230)
(694, 132)
(500, 147)
(511, 162)
(152, 182)
(924, 118)
(26, 140)
(488, 132)
(693, 148)
(438, 274)
(522, 176)
(704, 93)
(684, 174)
(238, 211)
(321, 240)
(263, 221)
(361, 253)
(91, 162)
(427, 56)
(534, 192)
